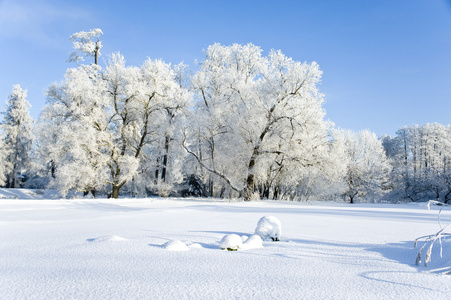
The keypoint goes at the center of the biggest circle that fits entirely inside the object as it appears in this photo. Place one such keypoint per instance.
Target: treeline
(242, 125)
(421, 160)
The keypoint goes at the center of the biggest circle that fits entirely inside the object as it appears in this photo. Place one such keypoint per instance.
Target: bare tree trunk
(249, 189)
(96, 52)
(92, 191)
(53, 169)
(12, 177)
(115, 192)
(116, 188)
(157, 170)
(276, 192)
(165, 158)
(266, 189)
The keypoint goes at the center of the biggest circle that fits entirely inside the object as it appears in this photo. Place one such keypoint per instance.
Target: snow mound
(231, 242)
(116, 238)
(269, 228)
(175, 245)
(253, 242)
(110, 238)
(195, 246)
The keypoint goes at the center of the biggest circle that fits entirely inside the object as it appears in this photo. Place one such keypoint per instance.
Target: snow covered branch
(431, 240)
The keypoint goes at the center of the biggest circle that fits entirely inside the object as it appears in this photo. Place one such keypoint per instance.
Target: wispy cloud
(38, 21)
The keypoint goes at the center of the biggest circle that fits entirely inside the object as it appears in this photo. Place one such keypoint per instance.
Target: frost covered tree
(213, 142)
(69, 143)
(162, 167)
(367, 167)
(86, 44)
(256, 115)
(107, 119)
(3, 163)
(17, 127)
(149, 94)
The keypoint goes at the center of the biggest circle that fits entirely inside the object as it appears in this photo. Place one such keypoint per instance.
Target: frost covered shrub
(269, 228)
(432, 239)
(231, 242)
(164, 190)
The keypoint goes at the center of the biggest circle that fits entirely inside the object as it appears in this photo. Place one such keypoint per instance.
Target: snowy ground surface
(118, 249)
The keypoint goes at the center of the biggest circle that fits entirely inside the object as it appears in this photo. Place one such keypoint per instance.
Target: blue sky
(386, 63)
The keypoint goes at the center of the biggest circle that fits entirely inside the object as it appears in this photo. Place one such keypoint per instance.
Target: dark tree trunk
(52, 169)
(13, 182)
(86, 193)
(276, 192)
(157, 170)
(265, 193)
(165, 158)
(249, 189)
(211, 187)
(115, 192)
(96, 53)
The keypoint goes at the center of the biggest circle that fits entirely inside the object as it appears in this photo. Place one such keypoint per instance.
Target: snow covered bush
(269, 228)
(253, 242)
(192, 185)
(231, 242)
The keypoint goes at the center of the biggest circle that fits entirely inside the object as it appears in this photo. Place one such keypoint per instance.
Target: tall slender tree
(3, 162)
(17, 130)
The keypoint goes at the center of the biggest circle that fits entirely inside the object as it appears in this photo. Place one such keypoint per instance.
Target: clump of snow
(175, 245)
(195, 246)
(231, 242)
(269, 228)
(253, 242)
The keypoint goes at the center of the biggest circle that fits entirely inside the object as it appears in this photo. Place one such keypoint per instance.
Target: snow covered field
(114, 249)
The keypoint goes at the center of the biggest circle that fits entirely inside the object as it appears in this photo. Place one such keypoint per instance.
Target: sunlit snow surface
(118, 249)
